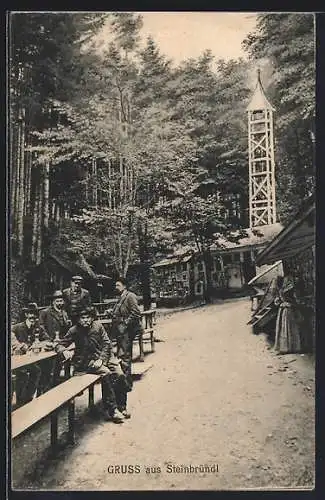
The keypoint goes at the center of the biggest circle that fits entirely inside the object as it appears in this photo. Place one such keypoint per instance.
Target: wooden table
(22, 361)
(30, 358)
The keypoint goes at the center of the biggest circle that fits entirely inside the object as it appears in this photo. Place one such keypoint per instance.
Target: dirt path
(216, 395)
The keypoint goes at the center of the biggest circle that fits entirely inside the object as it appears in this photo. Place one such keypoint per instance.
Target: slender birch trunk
(94, 181)
(46, 190)
(21, 186)
(13, 174)
(39, 222)
(35, 216)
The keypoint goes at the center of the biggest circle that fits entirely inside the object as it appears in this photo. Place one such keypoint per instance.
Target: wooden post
(71, 420)
(54, 431)
(91, 398)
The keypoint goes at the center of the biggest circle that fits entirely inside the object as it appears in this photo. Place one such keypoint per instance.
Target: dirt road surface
(216, 395)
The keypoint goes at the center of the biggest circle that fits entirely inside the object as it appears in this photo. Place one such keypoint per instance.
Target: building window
(201, 275)
(184, 266)
(218, 264)
(200, 266)
(227, 259)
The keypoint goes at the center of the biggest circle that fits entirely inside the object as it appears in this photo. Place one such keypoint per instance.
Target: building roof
(169, 261)
(296, 237)
(80, 266)
(256, 236)
(260, 277)
(259, 99)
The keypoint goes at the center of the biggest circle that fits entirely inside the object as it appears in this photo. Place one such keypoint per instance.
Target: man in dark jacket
(76, 298)
(94, 354)
(54, 319)
(23, 336)
(126, 324)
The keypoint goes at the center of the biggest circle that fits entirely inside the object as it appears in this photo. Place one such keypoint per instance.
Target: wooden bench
(147, 334)
(50, 403)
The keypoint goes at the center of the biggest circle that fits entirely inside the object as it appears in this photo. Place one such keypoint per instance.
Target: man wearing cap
(126, 323)
(54, 319)
(23, 336)
(94, 354)
(76, 298)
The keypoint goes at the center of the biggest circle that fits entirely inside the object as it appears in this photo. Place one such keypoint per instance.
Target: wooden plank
(23, 360)
(269, 311)
(27, 415)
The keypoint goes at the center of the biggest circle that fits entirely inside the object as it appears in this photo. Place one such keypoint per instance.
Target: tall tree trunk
(46, 209)
(142, 233)
(13, 174)
(207, 258)
(39, 241)
(46, 189)
(21, 186)
(35, 214)
(94, 181)
(29, 161)
(121, 180)
(109, 185)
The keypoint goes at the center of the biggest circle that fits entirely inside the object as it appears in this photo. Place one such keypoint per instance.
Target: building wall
(230, 272)
(302, 269)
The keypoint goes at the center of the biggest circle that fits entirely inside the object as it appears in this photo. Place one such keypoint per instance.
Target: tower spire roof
(259, 99)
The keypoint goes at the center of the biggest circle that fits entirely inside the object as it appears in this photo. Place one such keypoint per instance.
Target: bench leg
(141, 358)
(67, 369)
(71, 420)
(54, 431)
(91, 399)
(152, 340)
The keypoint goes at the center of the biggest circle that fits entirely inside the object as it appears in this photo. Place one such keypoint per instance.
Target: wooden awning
(296, 237)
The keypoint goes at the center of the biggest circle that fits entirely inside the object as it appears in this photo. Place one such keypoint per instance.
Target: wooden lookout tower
(262, 208)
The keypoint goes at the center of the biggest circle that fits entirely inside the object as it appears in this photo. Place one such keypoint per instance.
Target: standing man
(23, 336)
(94, 354)
(126, 324)
(76, 298)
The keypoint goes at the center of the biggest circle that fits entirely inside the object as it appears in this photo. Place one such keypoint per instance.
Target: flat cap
(77, 278)
(57, 294)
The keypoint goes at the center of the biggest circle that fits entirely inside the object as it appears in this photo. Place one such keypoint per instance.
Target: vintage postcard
(161, 192)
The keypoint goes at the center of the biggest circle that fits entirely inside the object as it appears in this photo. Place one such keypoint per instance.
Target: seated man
(54, 319)
(23, 336)
(94, 354)
(76, 298)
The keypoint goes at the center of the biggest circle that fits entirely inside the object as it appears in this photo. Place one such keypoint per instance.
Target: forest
(122, 156)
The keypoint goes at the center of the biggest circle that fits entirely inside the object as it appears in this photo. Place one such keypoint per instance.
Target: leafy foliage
(287, 43)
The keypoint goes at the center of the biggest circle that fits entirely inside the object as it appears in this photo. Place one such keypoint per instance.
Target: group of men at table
(70, 326)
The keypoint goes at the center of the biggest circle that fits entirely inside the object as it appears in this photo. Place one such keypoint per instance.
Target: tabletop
(30, 358)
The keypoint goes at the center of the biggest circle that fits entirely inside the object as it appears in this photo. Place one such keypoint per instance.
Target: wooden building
(184, 275)
(295, 247)
(55, 272)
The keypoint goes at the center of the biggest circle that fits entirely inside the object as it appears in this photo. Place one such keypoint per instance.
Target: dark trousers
(27, 382)
(124, 353)
(110, 382)
(49, 369)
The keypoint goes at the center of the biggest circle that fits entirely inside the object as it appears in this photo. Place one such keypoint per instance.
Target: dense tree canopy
(287, 43)
(167, 143)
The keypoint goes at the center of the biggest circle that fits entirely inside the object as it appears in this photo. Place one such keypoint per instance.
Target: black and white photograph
(161, 231)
